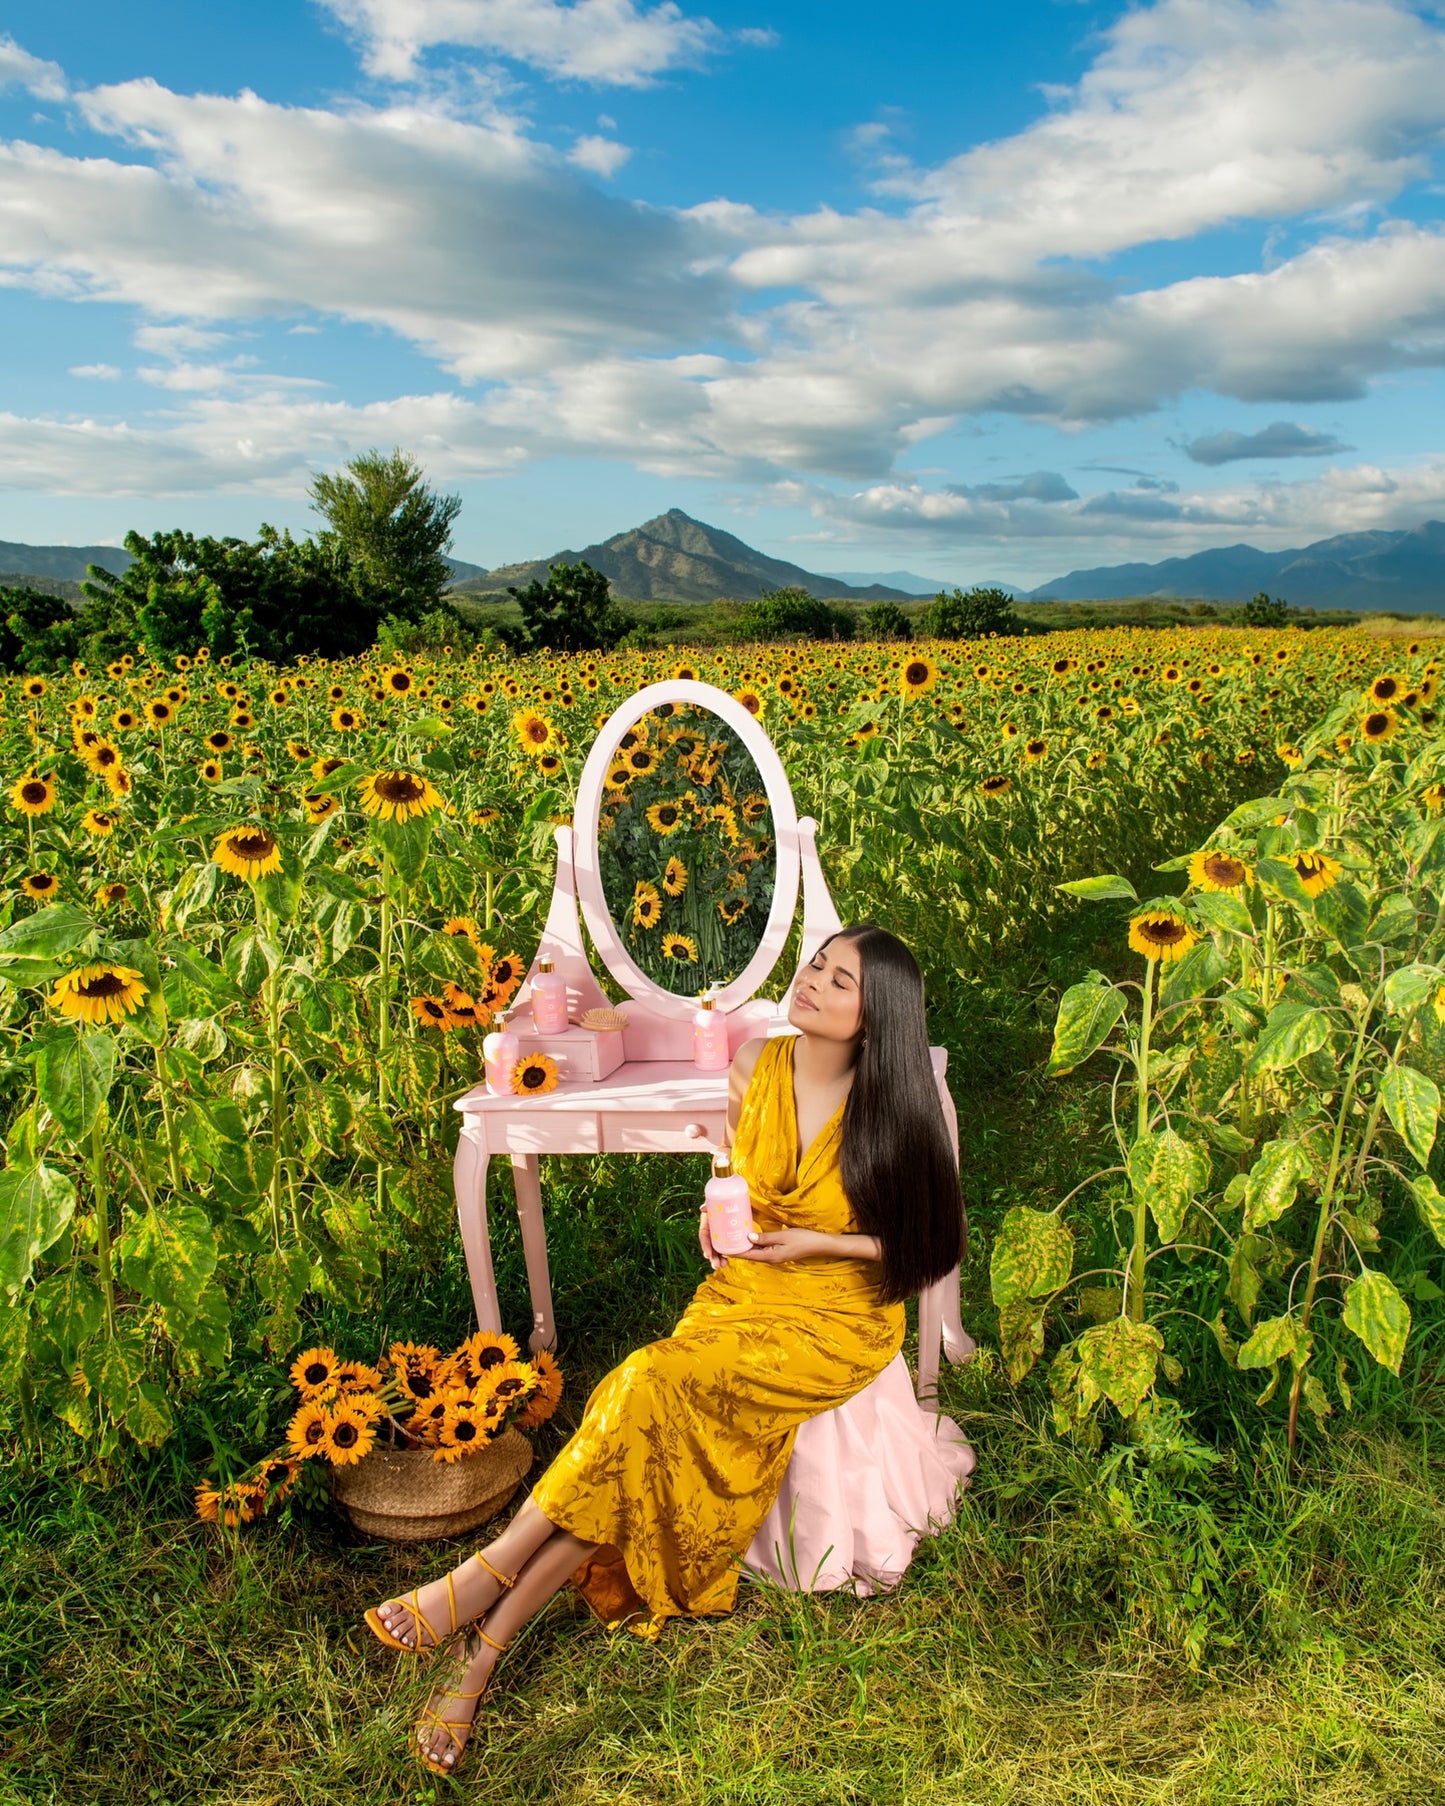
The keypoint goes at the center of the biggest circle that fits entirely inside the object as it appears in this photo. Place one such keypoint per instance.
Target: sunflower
(125, 719)
(463, 1429)
(1433, 797)
(1034, 750)
(461, 927)
(350, 1434)
(313, 1371)
(1159, 934)
(34, 795)
(917, 676)
(398, 795)
(674, 878)
(159, 712)
(358, 1378)
(347, 721)
(484, 818)
(515, 1381)
(40, 885)
(320, 806)
(665, 818)
(1291, 755)
(535, 733)
(646, 905)
(534, 1075)
(1316, 871)
(34, 688)
(238, 1503)
(431, 1012)
(506, 974)
(99, 993)
(418, 1381)
(111, 896)
(322, 768)
(996, 785)
(463, 1008)
(247, 852)
(1213, 870)
(211, 771)
(101, 755)
(679, 947)
(397, 679)
(1385, 689)
(485, 1350)
(548, 1396)
(733, 909)
(1379, 725)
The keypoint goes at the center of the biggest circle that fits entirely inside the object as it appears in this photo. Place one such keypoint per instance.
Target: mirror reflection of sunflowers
(685, 848)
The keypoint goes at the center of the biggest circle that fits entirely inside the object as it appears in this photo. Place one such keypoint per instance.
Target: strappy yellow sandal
(454, 1726)
(377, 1625)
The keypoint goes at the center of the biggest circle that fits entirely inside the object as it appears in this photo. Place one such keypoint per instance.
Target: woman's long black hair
(898, 1164)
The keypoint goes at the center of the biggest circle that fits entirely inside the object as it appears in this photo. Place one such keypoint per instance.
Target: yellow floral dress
(683, 1446)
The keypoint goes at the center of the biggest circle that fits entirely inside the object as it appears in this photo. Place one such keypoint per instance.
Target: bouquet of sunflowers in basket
(415, 1397)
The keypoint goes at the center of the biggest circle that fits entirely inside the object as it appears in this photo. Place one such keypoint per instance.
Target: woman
(683, 1447)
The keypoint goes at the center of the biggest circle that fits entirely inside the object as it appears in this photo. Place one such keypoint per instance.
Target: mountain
(674, 558)
(908, 581)
(58, 561)
(1403, 570)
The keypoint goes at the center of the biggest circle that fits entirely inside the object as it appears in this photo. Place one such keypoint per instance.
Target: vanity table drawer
(661, 1132)
(544, 1132)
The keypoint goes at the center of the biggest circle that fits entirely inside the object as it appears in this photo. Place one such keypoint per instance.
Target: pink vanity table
(654, 1101)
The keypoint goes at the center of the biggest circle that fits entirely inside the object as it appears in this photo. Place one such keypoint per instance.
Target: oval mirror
(686, 846)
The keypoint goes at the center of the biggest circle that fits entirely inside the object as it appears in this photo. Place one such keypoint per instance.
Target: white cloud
(46, 81)
(614, 42)
(603, 156)
(105, 373)
(1280, 439)
(978, 287)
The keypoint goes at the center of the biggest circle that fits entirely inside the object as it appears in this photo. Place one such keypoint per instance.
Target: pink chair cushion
(865, 1483)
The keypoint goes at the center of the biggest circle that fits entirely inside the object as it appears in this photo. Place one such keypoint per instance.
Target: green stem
(278, 1107)
(173, 1135)
(1135, 1299)
(103, 1258)
(1327, 1195)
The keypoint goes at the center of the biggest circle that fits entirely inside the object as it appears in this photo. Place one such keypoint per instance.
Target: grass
(1191, 1623)
(1194, 1630)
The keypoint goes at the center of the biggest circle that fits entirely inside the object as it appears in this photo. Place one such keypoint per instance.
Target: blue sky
(981, 293)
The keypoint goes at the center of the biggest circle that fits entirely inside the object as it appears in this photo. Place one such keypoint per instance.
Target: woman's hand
(777, 1245)
(704, 1238)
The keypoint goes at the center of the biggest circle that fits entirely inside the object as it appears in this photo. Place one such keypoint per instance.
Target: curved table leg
(527, 1177)
(469, 1180)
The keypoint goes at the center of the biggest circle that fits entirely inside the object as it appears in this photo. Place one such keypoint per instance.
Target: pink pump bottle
(500, 1052)
(549, 1000)
(729, 1208)
(709, 1036)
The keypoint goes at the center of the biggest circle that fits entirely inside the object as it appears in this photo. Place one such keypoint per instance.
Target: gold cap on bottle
(544, 965)
(706, 1000)
(722, 1164)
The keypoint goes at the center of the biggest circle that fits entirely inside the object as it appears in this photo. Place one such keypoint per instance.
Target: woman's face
(828, 995)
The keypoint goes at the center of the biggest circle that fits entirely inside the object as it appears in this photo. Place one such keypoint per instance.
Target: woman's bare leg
(473, 1587)
(545, 1572)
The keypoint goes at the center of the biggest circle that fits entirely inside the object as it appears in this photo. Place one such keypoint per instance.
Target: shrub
(781, 614)
(970, 615)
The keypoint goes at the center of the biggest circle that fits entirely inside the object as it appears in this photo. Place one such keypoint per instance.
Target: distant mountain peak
(675, 558)
(1402, 570)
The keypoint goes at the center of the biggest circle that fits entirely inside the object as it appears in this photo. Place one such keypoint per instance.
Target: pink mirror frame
(600, 926)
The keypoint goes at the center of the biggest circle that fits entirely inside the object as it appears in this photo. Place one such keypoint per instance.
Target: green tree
(394, 530)
(37, 631)
(572, 611)
(1264, 611)
(885, 621)
(781, 614)
(273, 597)
(970, 614)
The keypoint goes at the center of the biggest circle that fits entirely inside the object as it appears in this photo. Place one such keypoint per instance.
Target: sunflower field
(255, 921)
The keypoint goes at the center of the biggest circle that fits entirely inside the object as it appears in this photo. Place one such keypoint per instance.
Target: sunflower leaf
(1282, 881)
(73, 1076)
(1379, 1316)
(1220, 909)
(1087, 1015)
(1033, 1255)
(1167, 1172)
(168, 1253)
(1020, 1336)
(1412, 1102)
(1272, 1182)
(1291, 1031)
(36, 1204)
(1122, 1359)
(1272, 1340)
(1430, 1204)
(1102, 889)
(55, 929)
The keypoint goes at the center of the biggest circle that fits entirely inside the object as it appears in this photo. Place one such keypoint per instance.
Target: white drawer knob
(695, 1131)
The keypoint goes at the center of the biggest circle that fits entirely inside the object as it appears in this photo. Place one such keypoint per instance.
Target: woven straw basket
(403, 1496)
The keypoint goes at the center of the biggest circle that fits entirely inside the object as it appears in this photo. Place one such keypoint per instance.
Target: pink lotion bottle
(549, 1000)
(709, 1036)
(729, 1208)
(500, 1052)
